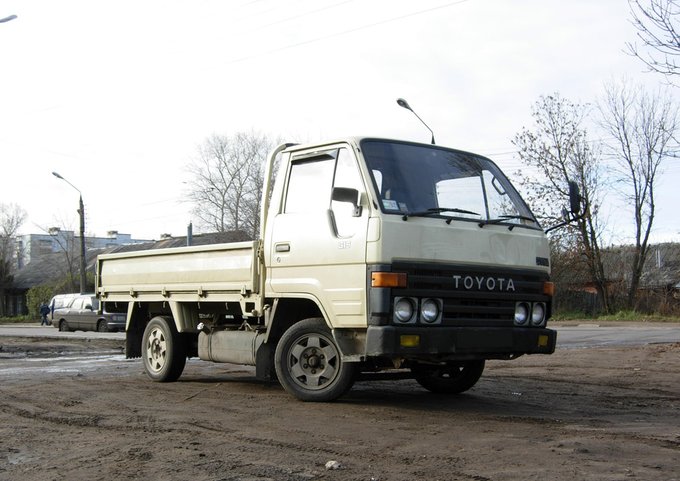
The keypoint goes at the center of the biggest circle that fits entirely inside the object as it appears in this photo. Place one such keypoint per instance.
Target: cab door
(318, 237)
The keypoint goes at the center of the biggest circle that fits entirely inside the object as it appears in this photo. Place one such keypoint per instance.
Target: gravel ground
(76, 409)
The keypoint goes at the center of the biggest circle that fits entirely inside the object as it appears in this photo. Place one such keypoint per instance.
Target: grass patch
(633, 316)
(571, 316)
(17, 320)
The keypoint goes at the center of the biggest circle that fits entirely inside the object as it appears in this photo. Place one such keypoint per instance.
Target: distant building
(49, 264)
(33, 246)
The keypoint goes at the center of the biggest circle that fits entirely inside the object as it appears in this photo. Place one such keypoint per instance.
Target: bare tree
(67, 263)
(12, 218)
(643, 127)
(658, 25)
(558, 147)
(226, 185)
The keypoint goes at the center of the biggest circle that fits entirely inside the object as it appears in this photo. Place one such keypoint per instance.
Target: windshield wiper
(438, 210)
(505, 218)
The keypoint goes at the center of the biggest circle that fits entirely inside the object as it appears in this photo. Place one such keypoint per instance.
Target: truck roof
(356, 140)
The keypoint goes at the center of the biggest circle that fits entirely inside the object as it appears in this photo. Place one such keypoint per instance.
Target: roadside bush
(16, 320)
(36, 296)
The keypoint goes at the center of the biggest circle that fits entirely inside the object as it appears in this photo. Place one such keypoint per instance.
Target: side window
(309, 186)
(499, 203)
(346, 176)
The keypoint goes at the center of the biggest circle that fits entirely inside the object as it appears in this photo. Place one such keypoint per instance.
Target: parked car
(80, 314)
(58, 302)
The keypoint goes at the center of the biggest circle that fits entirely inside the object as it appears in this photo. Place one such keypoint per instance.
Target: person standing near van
(44, 311)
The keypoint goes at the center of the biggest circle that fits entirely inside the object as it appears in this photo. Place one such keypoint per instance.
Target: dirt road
(595, 414)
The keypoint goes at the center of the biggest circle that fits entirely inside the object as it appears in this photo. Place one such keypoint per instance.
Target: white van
(59, 301)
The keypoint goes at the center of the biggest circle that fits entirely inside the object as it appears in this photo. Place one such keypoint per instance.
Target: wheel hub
(156, 349)
(313, 360)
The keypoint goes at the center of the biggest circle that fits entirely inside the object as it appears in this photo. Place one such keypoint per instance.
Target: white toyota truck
(375, 256)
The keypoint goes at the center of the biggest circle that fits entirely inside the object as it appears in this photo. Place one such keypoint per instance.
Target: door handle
(284, 247)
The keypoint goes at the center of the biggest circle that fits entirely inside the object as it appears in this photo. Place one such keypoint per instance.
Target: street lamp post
(81, 211)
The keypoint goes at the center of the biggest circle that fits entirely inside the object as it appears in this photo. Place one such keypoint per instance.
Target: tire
(63, 326)
(102, 326)
(163, 351)
(449, 379)
(309, 365)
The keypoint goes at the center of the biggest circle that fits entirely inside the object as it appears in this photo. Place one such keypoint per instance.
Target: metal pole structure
(7, 19)
(81, 212)
(403, 103)
(83, 277)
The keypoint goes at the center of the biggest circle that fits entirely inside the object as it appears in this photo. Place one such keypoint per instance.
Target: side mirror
(575, 201)
(88, 307)
(574, 198)
(347, 194)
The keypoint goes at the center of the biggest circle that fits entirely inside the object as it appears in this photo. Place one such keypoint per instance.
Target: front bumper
(459, 342)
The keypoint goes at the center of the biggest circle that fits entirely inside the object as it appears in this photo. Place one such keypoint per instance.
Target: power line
(302, 15)
(345, 32)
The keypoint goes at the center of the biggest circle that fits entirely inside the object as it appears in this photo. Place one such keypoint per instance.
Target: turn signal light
(549, 288)
(409, 340)
(389, 279)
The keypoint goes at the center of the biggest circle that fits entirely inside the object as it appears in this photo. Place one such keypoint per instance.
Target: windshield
(415, 180)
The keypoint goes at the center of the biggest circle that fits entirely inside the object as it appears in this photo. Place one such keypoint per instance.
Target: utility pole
(81, 212)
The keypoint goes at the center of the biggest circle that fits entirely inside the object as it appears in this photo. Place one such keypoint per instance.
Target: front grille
(473, 295)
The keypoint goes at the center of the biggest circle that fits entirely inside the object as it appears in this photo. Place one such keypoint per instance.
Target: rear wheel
(451, 378)
(308, 363)
(162, 350)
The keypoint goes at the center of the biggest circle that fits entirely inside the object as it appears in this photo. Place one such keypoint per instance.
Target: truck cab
(374, 255)
(416, 255)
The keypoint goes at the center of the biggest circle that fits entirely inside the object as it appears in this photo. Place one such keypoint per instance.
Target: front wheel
(308, 363)
(449, 378)
(63, 326)
(102, 326)
(162, 350)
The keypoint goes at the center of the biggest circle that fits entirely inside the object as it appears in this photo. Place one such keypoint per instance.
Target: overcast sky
(116, 96)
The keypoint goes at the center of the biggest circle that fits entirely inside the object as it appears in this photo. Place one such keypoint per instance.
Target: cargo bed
(218, 272)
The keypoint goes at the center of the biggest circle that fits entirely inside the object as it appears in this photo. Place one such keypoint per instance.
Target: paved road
(584, 335)
(593, 335)
(35, 330)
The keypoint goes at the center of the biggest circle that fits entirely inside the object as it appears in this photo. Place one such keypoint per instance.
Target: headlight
(521, 313)
(538, 314)
(430, 310)
(404, 310)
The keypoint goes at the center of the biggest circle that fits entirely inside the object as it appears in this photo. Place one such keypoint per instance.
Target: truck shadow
(508, 397)
(484, 400)
(515, 399)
